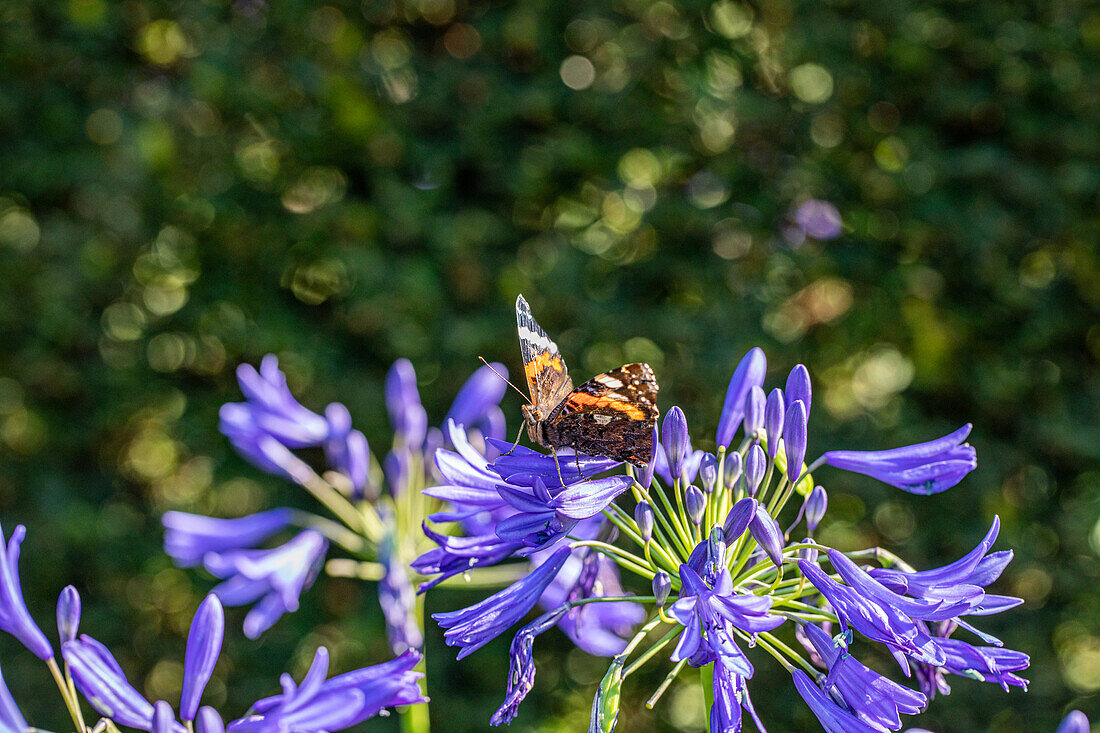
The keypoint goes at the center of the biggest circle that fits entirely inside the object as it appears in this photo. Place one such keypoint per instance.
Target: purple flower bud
(1074, 722)
(14, 616)
(737, 521)
(755, 466)
(748, 374)
(731, 470)
(708, 472)
(798, 388)
(795, 440)
(643, 516)
(407, 415)
(163, 718)
(204, 644)
(209, 721)
(809, 554)
(674, 438)
(766, 532)
(347, 450)
(816, 504)
(646, 479)
(662, 586)
(479, 395)
(695, 501)
(68, 614)
(754, 411)
(925, 468)
(773, 420)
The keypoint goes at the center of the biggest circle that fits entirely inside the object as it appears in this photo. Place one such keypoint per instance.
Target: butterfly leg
(558, 465)
(577, 460)
(518, 436)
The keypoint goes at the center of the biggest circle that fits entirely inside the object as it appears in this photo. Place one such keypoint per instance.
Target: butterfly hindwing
(611, 414)
(547, 376)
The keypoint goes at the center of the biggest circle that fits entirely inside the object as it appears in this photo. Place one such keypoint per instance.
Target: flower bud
(816, 504)
(795, 440)
(755, 466)
(662, 586)
(716, 548)
(809, 554)
(737, 521)
(209, 721)
(754, 411)
(773, 420)
(675, 439)
(798, 387)
(164, 718)
(708, 472)
(766, 532)
(749, 373)
(731, 470)
(68, 614)
(643, 516)
(695, 501)
(605, 705)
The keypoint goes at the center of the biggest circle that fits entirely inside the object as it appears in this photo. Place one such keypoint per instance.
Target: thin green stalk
(334, 531)
(649, 653)
(71, 703)
(664, 685)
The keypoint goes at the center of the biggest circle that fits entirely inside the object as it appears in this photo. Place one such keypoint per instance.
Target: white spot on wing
(537, 339)
(609, 381)
(602, 419)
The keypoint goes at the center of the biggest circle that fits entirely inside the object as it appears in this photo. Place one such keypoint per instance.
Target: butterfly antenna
(521, 392)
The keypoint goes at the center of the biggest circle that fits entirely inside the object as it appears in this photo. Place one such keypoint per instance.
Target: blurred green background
(188, 185)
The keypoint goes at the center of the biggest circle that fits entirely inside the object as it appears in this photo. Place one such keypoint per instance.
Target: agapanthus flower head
(14, 616)
(749, 373)
(925, 468)
(272, 579)
(318, 704)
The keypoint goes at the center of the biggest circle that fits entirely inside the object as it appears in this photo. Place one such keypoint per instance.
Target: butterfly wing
(611, 414)
(547, 376)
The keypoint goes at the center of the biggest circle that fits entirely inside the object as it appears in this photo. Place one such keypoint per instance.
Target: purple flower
(833, 718)
(708, 471)
(675, 440)
(707, 613)
(477, 400)
(749, 373)
(273, 579)
(407, 415)
(643, 517)
(103, 684)
(473, 627)
(521, 670)
(262, 450)
(725, 711)
(815, 506)
(925, 468)
(11, 718)
(345, 700)
(1074, 722)
(817, 219)
(523, 466)
(271, 409)
(14, 616)
(732, 470)
(874, 699)
(662, 586)
(794, 440)
(755, 403)
(695, 501)
(543, 516)
(737, 521)
(209, 721)
(456, 555)
(164, 719)
(767, 534)
(204, 644)
(960, 599)
(188, 537)
(68, 614)
(774, 414)
(875, 620)
(798, 388)
(756, 464)
(397, 598)
(347, 450)
(990, 664)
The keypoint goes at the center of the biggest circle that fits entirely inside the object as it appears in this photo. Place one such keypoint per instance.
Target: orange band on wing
(581, 400)
(541, 363)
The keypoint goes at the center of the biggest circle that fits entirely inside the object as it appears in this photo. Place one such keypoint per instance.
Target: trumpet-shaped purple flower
(345, 700)
(478, 400)
(473, 627)
(988, 664)
(188, 537)
(958, 600)
(873, 698)
(543, 516)
(407, 414)
(521, 670)
(523, 466)
(731, 695)
(833, 718)
(875, 620)
(272, 578)
(204, 644)
(707, 614)
(14, 616)
(68, 614)
(271, 409)
(11, 718)
(925, 468)
(456, 555)
(103, 684)
(749, 373)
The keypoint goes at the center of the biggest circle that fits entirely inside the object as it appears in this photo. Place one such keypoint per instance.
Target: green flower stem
(625, 559)
(343, 509)
(763, 644)
(649, 653)
(664, 685)
(769, 638)
(883, 557)
(706, 681)
(488, 577)
(71, 702)
(626, 523)
(416, 718)
(334, 531)
(675, 530)
(343, 567)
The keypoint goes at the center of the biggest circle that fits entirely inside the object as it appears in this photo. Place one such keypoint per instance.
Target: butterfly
(611, 415)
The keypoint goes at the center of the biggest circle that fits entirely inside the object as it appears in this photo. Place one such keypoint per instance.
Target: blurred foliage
(188, 185)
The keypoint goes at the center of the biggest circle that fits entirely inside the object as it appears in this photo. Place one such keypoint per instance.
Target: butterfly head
(533, 418)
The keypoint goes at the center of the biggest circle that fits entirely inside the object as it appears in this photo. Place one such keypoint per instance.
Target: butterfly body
(612, 414)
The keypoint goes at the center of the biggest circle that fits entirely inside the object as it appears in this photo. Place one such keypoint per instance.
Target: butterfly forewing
(547, 376)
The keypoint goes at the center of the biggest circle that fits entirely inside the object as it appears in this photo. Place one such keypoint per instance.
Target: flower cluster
(378, 507)
(703, 528)
(88, 668)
